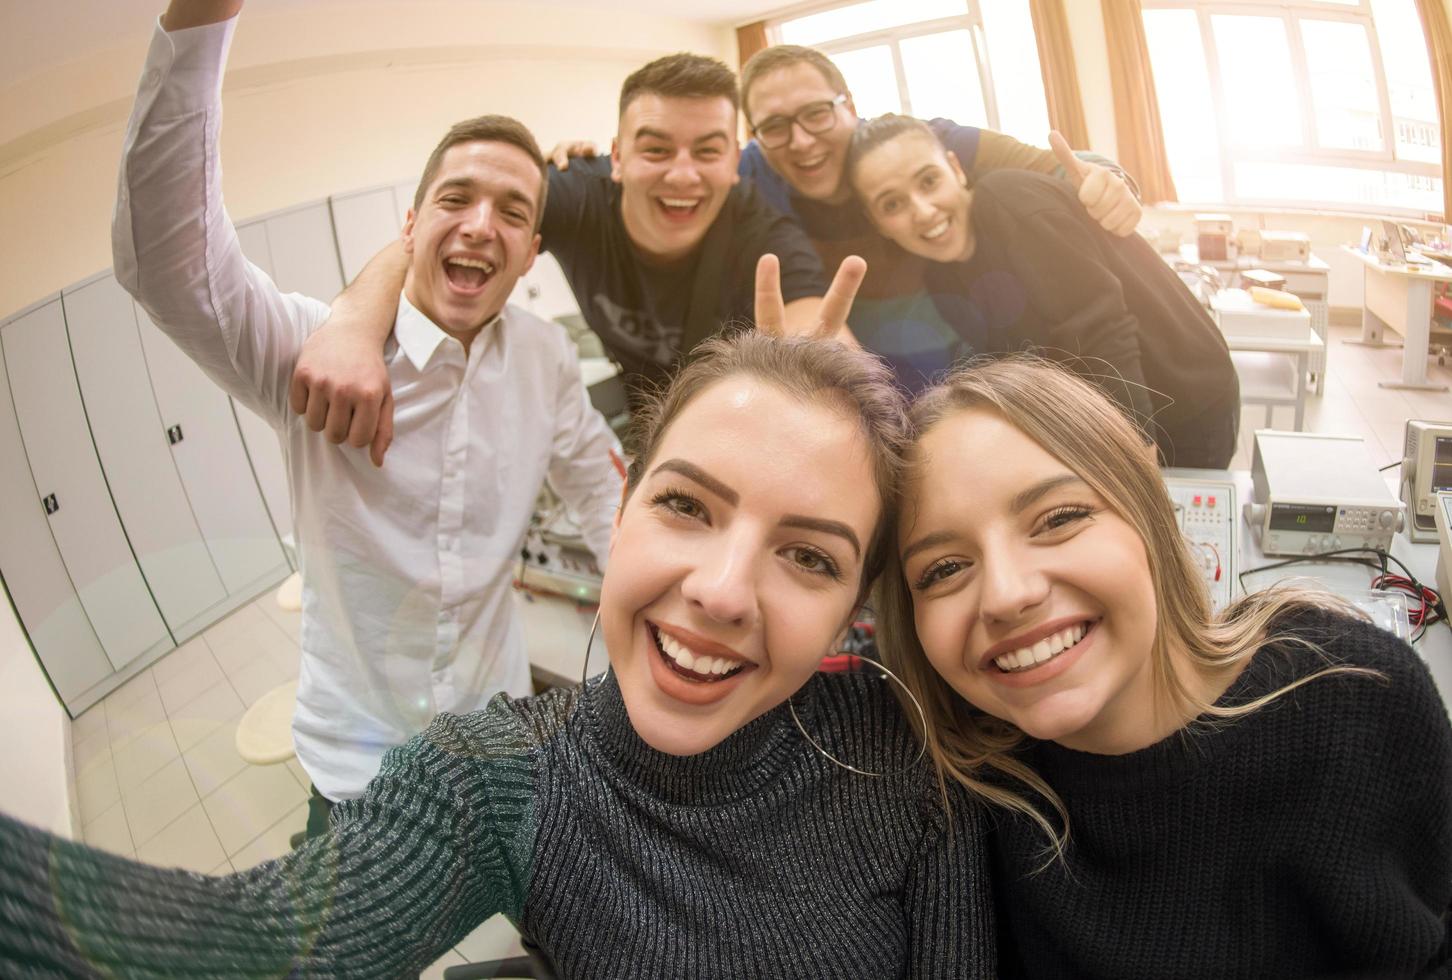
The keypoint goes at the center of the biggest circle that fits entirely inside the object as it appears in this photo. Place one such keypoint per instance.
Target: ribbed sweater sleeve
(439, 842)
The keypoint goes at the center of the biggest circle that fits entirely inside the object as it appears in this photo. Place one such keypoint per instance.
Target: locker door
(224, 494)
(132, 443)
(36, 577)
(67, 474)
(305, 253)
(364, 224)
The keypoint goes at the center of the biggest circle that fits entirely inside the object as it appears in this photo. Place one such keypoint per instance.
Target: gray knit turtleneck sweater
(756, 859)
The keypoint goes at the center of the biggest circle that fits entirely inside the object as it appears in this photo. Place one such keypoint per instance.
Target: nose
(800, 137)
(478, 221)
(722, 582)
(683, 168)
(923, 209)
(1013, 585)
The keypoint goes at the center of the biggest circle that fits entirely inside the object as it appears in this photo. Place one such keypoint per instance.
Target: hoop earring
(589, 642)
(922, 717)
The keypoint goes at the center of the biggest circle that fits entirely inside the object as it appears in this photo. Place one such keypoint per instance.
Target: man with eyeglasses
(801, 114)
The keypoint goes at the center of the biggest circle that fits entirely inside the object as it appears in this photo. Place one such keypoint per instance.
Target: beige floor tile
(214, 759)
(97, 789)
(110, 832)
(203, 715)
(86, 751)
(187, 842)
(256, 679)
(299, 773)
(289, 622)
(274, 842)
(236, 628)
(183, 688)
(495, 939)
(125, 695)
(159, 801)
(143, 756)
(257, 797)
(182, 660)
(436, 969)
(225, 868)
(89, 723)
(141, 713)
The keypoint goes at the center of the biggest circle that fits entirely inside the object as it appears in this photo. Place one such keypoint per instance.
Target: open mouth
(937, 231)
(1045, 650)
(811, 167)
(681, 660)
(678, 208)
(467, 274)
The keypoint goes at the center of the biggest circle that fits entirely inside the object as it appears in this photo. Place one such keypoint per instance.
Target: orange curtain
(749, 40)
(1061, 78)
(1136, 109)
(1437, 26)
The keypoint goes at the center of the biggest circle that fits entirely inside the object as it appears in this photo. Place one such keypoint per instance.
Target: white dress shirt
(407, 569)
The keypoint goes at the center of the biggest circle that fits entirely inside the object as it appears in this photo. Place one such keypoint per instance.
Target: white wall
(35, 777)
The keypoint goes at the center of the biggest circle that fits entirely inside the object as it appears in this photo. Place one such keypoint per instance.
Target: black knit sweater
(1310, 838)
(756, 859)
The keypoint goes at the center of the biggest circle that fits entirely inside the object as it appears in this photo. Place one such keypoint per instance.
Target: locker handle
(174, 435)
(50, 503)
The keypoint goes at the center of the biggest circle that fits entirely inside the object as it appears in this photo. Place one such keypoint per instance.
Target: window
(973, 61)
(1313, 103)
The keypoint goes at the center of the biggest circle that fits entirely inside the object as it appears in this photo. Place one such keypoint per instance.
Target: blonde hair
(1077, 424)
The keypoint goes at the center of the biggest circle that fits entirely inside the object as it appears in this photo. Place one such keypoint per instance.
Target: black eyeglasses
(774, 132)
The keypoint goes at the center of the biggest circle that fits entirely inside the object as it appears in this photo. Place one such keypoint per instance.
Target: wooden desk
(1400, 297)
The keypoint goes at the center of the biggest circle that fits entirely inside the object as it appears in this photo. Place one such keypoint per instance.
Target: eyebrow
(1022, 500)
(466, 183)
(645, 132)
(892, 190)
(693, 472)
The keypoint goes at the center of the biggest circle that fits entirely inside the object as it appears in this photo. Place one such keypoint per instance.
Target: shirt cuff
(186, 67)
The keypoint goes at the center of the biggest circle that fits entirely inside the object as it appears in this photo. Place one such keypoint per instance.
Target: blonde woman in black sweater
(1266, 792)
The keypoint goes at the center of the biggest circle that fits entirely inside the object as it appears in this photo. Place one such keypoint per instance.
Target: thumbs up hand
(1106, 197)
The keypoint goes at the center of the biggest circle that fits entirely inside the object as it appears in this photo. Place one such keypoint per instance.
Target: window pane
(871, 78)
(942, 78)
(1255, 75)
(1284, 182)
(1013, 59)
(875, 15)
(1343, 85)
(1409, 80)
(1187, 111)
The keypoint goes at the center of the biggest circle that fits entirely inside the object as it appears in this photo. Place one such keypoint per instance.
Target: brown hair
(681, 76)
(872, 133)
(780, 56)
(1077, 424)
(487, 129)
(825, 372)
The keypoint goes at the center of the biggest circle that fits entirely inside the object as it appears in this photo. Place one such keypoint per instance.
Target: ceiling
(34, 34)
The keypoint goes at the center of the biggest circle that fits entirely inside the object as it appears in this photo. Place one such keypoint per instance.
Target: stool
(289, 593)
(264, 735)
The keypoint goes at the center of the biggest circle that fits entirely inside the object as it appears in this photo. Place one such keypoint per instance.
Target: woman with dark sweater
(1266, 792)
(688, 814)
(1017, 263)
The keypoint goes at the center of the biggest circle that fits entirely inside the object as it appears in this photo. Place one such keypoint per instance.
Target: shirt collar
(419, 337)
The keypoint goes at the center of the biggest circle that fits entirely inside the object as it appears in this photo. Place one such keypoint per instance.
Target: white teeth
(1042, 651)
(699, 663)
(937, 231)
(678, 202)
(472, 264)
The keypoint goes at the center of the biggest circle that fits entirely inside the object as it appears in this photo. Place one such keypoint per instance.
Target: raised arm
(426, 855)
(341, 384)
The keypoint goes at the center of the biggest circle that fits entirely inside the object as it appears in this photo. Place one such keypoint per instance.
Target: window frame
(970, 20)
(1292, 13)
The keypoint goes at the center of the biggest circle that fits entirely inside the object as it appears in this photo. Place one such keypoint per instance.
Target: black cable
(1389, 466)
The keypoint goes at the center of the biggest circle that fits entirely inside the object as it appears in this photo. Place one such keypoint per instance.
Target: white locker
(364, 223)
(68, 478)
(304, 252)
(36, 577)
(225, 496)
(132, 443)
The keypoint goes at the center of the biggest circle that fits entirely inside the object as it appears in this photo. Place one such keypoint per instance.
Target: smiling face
(675, 160)
(915, 193)
(1031, 597)
(813, 164)
(472, 235)
(736, 561)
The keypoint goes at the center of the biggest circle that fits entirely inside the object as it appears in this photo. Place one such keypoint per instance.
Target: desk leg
(1302, 366)
(1373, 327)
(1419, 331)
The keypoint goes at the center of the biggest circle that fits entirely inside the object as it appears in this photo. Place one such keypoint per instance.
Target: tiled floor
(160, 780)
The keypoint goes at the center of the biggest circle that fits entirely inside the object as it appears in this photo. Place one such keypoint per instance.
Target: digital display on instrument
(1317, 518)
(1442, 464)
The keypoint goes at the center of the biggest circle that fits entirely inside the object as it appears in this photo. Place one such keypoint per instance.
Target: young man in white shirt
(407, 569)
